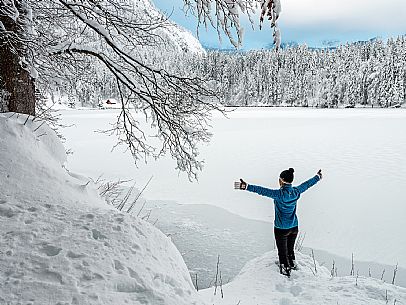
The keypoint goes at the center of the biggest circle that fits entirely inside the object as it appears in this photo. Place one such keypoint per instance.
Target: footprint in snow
(117, 228)
(96, 234)
(120, 220)
(50, 250)
(50, 276)
(89, 216)
(73, 255)
(118, 265)
(7, 212)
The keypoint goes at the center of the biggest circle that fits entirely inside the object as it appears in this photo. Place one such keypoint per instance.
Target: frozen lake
(359, 207)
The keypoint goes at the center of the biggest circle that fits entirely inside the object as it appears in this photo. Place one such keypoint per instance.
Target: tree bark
(15, 77)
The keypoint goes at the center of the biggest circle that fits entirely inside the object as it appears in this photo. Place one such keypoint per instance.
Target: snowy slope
(183, 39)
(178, 37)
(259, 283)
(60, 244)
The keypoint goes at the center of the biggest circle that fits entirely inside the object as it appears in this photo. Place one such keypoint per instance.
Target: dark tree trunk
(17, 82)
(15, 78)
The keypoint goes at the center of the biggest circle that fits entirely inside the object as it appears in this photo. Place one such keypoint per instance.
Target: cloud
(359, 15)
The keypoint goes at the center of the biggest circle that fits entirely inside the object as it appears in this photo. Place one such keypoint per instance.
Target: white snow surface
(259, 283)
(61, 244)
(351, 211)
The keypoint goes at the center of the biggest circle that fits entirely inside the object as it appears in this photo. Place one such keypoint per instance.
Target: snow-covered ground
(61, 244)
(358, 208)
(204, 232)
(259, 283)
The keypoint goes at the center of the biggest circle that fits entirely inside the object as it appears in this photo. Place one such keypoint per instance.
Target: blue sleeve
(263, 191)
(308, 184)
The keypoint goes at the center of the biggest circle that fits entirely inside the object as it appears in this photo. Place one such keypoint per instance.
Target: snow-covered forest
(369, 73)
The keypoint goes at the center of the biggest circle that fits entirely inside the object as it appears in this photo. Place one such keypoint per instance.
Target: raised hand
(320, 174)
(240, 185)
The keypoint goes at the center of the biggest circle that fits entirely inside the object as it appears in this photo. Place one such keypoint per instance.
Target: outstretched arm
(309, 183)
(263, 191)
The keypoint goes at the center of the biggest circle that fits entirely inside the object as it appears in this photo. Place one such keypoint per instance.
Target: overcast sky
(312, 22)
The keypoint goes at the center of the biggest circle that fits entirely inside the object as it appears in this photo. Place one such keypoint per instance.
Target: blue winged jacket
(285, 200)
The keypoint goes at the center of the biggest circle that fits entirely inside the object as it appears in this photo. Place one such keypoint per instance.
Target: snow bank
(31, 165)
(60, 244)
(259, 283)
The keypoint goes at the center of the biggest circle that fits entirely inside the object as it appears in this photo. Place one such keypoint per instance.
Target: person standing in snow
(286, 223)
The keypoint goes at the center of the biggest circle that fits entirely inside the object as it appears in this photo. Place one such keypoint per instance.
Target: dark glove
(320, 174)
(240, 185)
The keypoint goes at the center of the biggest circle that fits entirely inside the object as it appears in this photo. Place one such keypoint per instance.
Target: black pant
(285, 242)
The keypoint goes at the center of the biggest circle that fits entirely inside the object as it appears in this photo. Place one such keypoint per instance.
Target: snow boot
(284, 270)
(293, 265)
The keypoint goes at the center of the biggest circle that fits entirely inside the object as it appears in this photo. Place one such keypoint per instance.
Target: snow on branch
(272, 9)
(178, 106)
(8, 9)
(224, 16)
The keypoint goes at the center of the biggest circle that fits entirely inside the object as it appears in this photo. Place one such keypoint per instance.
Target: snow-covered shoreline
(360, 150)
(202, 232)
(259, 283)
(60, 243)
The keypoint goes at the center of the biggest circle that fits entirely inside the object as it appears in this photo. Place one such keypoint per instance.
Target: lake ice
(359, 207)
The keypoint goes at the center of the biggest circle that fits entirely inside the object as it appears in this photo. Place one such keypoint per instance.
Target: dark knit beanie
(287, 175)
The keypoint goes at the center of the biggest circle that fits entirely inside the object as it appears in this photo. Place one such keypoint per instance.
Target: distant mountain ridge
(326, 44)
